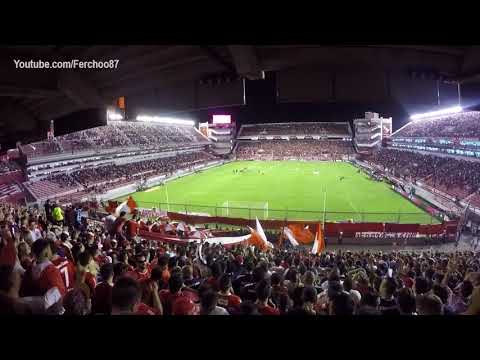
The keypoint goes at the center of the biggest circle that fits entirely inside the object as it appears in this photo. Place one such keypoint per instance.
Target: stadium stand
(334, 129)
(462, 125)
(457, 177)
(294, 149)
(97, 179)
(96, 160)
(52, 186)
(11, 192)
(7, 167)
(116, 134)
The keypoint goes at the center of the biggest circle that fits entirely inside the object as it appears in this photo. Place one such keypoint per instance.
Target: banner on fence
(331, 228)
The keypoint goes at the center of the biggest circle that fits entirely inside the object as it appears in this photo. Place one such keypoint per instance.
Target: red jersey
(67, 271)
(102, 302)
(213, 283)
(130, 268)
(143, 309)
(167, 299)
(43, 277)
(132, 228)
(165, 276)
(101, 260)
(191, 294)
(140, 276)
(143, 225)
(8, 253)
(229, 301)
(91, 283)
(267, 310)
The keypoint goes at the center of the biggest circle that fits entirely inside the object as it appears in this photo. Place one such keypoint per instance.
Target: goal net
(245, 209)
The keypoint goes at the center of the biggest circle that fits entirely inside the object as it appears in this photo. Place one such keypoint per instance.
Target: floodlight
(164, 120)
(111, 115)
(447, 111)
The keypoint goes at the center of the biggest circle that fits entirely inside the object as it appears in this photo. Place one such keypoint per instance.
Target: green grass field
(284, 189)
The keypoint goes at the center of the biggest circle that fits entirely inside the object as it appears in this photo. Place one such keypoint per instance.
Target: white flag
(315, 244)
(289, 235)
(262, 233)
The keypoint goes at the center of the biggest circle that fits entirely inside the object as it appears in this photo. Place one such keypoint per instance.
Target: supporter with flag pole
(127, 207)
(319, 243)
(258, 237)
(289, 235)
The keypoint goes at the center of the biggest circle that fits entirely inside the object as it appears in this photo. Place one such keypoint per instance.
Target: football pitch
(295, 190)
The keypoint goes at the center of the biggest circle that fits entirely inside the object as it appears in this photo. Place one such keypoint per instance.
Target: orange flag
(256, 240)
(121, 102)
(131, 203)
(301, 234)
(112, 205)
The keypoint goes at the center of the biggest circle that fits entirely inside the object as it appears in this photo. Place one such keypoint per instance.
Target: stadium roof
(160, 75)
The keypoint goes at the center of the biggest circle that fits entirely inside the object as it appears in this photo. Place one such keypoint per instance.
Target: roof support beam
(471, 65)
(212, 54)
(246, 62)
(26, 92)
(79, 90)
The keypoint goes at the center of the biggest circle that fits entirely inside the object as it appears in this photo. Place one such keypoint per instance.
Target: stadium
(228, 180)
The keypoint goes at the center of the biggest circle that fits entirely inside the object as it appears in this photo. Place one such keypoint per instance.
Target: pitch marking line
(152, 189)
(353, 206)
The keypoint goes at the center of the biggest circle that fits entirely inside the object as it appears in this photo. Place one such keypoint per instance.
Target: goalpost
(245, 209)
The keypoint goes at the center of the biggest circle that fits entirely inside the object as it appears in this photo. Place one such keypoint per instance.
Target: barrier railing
(265, 213)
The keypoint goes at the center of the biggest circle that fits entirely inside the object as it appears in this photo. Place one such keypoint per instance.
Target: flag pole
(166, 194)
(324, 204)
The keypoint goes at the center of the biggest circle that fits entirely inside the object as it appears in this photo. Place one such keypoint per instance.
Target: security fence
(263, 212)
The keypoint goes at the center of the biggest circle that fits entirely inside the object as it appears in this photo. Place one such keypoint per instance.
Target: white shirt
(36, 234)
(356, 296)
(219, 311)
(181, 226)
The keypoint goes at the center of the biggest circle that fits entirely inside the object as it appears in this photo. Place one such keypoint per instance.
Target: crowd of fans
(462, 125)
(116, 134)
(8, 166)
(62, 180)
(106, 176)
(323, 129)
(42, 148)
(294, 149)
(59, 262)
(136, 170)
(444, 172)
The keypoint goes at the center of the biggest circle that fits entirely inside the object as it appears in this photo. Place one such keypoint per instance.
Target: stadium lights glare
(447, 111)
(114, 116)
(165, 120)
